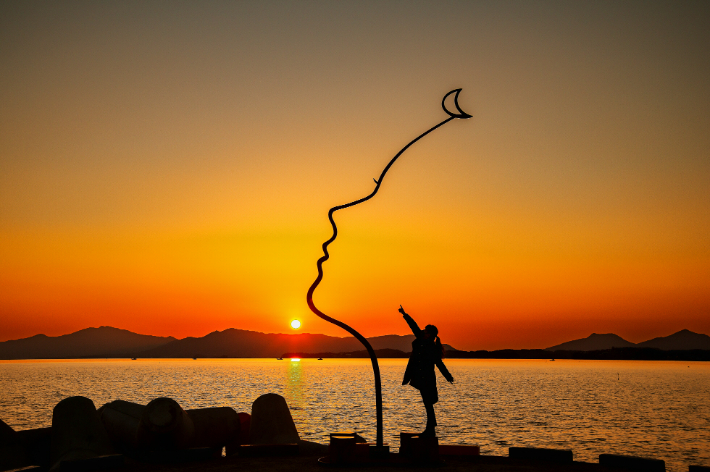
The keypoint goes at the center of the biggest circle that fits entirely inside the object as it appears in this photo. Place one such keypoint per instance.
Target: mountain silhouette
(104, 341)
(681, 340)
(112, 342)
(242, 343)
(594, 342)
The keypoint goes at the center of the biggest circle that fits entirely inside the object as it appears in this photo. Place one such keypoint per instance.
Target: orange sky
(169, 171)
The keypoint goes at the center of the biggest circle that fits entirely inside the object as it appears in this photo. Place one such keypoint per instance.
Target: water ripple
(654, 409)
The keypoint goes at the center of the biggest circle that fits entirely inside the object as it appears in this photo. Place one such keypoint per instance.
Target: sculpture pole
(309, 297)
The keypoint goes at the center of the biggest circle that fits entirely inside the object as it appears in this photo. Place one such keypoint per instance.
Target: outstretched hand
(401, 310)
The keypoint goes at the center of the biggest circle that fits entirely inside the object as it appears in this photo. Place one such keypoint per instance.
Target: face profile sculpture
(459, 114)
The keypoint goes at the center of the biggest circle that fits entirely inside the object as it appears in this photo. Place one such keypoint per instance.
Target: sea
(656, 409)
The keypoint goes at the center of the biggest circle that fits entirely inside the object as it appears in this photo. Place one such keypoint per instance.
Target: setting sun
(295, 324)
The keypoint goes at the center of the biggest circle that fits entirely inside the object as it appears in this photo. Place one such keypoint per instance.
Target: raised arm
(410, 321)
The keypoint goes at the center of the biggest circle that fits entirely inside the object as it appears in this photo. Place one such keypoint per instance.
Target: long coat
(420, 368)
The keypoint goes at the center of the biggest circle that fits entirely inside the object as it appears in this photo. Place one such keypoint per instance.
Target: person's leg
(430, 416)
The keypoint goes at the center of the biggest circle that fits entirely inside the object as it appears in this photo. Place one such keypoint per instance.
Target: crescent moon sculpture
(461, 114)
(309, 296)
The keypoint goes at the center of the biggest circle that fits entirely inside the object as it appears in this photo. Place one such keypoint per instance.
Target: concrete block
(12, 452)
(215, 427)
(181, 456)
(362, 450)
(113, 461)
(540, 454)
(425, 449)
(418, 448)
(268, 450)
(632, 463)
(379, 453)
(134, 410)
(456, 450)
(37, 444)
(242, 437)
(310, 448)
(6, 432)
(121, 420)
(244, 427)
(164, 425)
(698, 468)
(342, 448)
(77, 432)
(406, 442)
(271, 421)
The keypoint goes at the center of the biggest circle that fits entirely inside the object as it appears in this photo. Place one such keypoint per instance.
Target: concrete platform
(309, 463)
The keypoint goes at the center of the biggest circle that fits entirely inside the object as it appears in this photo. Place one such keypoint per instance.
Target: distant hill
(594, 342)
(112, 342)
(242, 343)
(104, 341)
(681, 340)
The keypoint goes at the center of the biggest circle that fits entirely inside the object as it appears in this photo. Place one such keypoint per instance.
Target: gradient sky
(167, 167)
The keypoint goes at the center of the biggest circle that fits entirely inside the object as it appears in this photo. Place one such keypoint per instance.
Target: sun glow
(295, 324)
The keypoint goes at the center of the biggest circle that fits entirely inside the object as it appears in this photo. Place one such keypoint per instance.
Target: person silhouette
(427, 352)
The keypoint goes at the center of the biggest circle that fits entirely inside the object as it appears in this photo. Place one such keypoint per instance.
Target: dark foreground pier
(308, 462)
(161, 436)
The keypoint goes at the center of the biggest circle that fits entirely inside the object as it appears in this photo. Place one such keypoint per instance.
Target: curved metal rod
(326, 256)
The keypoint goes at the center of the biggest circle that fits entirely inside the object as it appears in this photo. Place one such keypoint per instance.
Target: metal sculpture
(460, 114)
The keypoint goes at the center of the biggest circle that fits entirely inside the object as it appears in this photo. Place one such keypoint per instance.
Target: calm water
(653, 409)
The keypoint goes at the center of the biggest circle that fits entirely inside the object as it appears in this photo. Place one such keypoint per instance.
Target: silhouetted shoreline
(113, 343)
(620, 354)
(626, 354)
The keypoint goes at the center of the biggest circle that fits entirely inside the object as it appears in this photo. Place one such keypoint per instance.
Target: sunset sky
(167, 167)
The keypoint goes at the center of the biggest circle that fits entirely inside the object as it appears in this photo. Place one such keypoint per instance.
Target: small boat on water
(320, 358)
(552, 360)
(279, 358)
(133, 358)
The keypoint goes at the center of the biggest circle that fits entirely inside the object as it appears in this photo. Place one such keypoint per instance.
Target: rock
(271, 421)
(77, 432)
